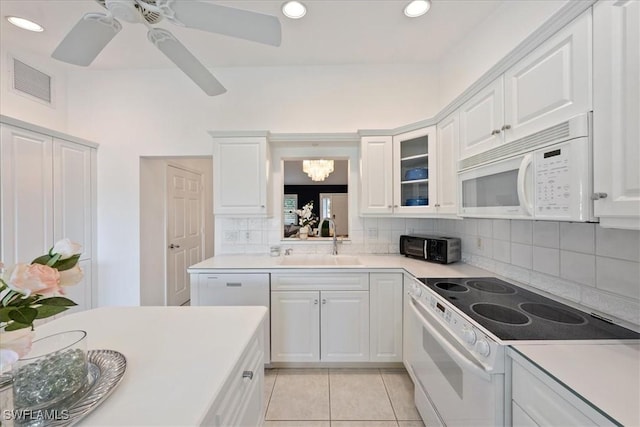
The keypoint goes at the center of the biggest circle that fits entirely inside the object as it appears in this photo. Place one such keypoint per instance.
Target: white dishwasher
(234, 289)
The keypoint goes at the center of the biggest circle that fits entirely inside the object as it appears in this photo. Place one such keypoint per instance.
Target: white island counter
(181, 362)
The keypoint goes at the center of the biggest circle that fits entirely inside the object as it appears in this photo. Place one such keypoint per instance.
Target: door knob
(172, 246)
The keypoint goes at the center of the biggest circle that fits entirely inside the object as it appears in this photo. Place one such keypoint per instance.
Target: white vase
(304, 232)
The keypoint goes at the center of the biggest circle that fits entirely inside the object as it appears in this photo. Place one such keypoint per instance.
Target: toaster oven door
(414, 246)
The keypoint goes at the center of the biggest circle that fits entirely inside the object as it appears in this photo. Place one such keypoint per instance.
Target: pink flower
(71, 276)
(35, 278)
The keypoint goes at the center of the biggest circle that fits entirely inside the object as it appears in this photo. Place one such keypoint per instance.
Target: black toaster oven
(443, 250)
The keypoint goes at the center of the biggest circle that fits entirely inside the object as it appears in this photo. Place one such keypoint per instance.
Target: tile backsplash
(581, 262)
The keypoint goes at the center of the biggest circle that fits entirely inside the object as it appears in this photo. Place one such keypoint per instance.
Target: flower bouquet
(306, 218)
(34, 291)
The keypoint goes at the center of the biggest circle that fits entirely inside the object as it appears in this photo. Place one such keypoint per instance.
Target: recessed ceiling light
(417, 8)
(294, 9)
(25, 24)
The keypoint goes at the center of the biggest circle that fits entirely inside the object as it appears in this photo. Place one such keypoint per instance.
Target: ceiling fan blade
(87, 39)
(179, 55)
(225, 20)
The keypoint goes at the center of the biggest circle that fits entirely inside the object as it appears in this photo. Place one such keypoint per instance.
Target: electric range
(513, 313)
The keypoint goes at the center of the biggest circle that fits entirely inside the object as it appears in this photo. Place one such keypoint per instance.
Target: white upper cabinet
(376, 174)
(447, 151)
(481, 120)
(399, 173)
(550, 85)
(240, 182)
(415, 171)
(616, 113)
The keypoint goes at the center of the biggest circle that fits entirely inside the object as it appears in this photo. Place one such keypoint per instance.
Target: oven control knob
(482, 347)
(469, 336)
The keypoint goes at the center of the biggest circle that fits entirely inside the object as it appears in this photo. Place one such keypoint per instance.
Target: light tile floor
(339, 398)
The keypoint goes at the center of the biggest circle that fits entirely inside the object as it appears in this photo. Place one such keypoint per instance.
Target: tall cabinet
(48, 192)
(616, 109)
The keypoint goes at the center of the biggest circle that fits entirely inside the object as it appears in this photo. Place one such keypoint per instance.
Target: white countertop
(415, 267)
(606, 376)
(177, 358)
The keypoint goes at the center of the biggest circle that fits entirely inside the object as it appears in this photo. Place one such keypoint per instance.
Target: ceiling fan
(95, 30)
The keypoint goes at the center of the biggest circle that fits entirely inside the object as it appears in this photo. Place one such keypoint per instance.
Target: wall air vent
(32, 82)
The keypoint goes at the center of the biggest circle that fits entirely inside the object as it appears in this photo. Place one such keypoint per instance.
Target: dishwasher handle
(453, 352)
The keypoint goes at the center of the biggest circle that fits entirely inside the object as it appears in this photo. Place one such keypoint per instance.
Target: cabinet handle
(506, 127)
(598, 196)
(262, 206)
(234, 284)
(315, 301)
(395, 206)
(389, 206)
(437, 205)
(172, 246)
(495, 131)
(324, 301)
(247, 374)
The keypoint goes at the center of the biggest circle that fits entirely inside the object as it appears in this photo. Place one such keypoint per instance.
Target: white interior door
(336, 206)
(184, 231)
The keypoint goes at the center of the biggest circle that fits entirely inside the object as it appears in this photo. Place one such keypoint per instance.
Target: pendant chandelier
(318, 170)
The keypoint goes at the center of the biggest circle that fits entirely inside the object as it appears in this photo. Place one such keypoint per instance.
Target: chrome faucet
(332, 224)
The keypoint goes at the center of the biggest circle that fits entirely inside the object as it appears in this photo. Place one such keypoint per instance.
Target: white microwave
(546, 176)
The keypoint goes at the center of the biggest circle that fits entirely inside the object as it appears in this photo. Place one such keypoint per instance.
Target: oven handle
(522, 191)
(449, 348)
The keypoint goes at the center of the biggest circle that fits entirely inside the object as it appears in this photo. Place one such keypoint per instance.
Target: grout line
(329, 392)
(388, 395)
(266, 407)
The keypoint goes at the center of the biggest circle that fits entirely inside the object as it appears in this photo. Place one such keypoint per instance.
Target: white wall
(489, 42)
(161, 113)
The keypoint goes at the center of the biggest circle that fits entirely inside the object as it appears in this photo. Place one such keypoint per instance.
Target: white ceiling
(333, 32)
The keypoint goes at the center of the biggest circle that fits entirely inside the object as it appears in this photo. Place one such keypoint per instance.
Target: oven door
(457, 389)
(503, 189)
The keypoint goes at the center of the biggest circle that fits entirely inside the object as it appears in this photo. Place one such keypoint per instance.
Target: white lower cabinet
(539, 400)
(241, 399)
(385, 317)
(295, 326)
(320, 317)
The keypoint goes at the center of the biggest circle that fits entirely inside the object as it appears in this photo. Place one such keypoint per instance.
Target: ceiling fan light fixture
(417, 8)
(25, 24)
(294, 9)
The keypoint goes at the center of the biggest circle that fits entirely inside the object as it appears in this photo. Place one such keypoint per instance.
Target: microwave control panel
(553, 177)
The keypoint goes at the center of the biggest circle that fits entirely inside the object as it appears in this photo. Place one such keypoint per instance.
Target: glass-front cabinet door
(414, 171)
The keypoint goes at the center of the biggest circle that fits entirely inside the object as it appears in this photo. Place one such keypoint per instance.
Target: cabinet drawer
(541, 403)
(231, 405)
(320, 282)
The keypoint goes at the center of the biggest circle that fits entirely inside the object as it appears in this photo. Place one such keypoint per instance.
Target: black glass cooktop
(513, 313)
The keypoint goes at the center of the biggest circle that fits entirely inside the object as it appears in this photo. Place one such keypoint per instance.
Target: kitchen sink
(304, 260)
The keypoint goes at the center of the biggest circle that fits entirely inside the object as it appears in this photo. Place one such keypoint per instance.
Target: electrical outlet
(479, 243)
(372, 233)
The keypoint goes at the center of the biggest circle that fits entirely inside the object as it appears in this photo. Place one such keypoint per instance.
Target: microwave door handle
(522, 190)
(448, 347)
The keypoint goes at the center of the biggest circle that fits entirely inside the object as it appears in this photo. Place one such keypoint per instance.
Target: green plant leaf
(57, 301)
(53, 260)
(19, 300)
(45, 311)
(67, 264)
(44, 259)
(24, 315)
(4, 313)
(15, 326)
